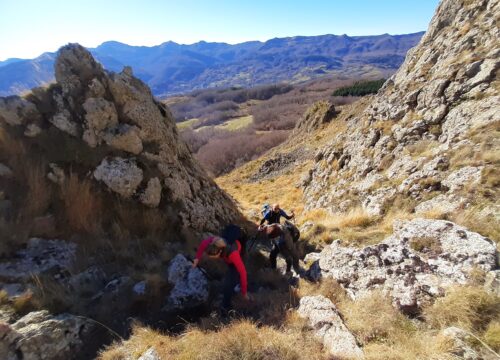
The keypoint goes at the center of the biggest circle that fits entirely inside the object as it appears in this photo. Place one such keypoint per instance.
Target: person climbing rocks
(273, 215)
(230, 247)
(282, 237)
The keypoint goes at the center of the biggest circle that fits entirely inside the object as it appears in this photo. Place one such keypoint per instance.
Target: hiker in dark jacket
(273, 216)
(283, 240)
(230, 248)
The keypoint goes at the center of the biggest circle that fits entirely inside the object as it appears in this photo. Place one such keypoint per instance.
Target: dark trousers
(230, 281)
(285, 245)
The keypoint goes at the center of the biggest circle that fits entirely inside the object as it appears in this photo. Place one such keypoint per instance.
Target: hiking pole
(203, 271)
(252, 243)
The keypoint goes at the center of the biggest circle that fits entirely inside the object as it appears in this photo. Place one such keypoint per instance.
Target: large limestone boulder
(41, 336)
(415, 264)
(190, 285)
(324, 318)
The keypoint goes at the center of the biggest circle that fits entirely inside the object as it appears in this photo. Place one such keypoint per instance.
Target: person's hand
(195, 263)
(293, 214)
(247, 297)
(260, 228)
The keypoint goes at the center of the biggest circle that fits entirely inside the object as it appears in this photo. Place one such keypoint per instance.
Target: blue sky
(31, 27)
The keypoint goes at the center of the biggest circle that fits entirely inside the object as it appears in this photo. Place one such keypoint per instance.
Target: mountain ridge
(170, 68)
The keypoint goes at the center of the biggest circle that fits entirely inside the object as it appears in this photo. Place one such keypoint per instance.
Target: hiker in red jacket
(230, 248)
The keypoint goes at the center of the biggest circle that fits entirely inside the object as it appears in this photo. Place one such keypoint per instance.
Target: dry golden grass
(356, 217)
(10, 147)
(140, 221)
(252, 195)
(468, 307)
(4, 297)
(416, 346)
(327, 287)
(238, 340)
(373, 318)
(52, 295)
(473, 220)
(354, 227)
(423, 147)
(82, 206)
(24, 303)
(384, 126)
(492, 335)
(39, 191)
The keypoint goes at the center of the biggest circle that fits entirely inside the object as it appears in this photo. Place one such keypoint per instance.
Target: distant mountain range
(175, 68)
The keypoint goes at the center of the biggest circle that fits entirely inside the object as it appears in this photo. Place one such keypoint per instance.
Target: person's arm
(201, 249)
(266, 217)
(235, 259)
(285, 215)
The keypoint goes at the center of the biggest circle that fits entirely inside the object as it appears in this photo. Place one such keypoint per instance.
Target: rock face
(130, 140)
(41, 336)
(415, 264)
(446, 89)
(40, 256)
(190, 285)
(323, 316)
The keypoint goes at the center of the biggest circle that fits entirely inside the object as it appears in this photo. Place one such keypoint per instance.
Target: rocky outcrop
(320, 113)
(129, 139)
(461, 341)
(279, 164)
(190, 285)
(41, 336)
(415, 264)
(446, 89)
(323, 317)
(40, 256)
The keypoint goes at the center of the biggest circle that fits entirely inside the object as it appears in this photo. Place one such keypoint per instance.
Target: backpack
(266, 208)
(231, 233)
(293, 230)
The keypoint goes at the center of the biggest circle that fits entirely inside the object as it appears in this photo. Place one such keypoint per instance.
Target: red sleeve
(203, 246)
(235, 259)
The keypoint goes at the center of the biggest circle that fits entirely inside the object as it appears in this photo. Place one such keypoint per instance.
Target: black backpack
(230, 234)
(293, 230)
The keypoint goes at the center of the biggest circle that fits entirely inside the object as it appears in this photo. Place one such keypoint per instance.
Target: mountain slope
(425, 145)
(172, 68)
